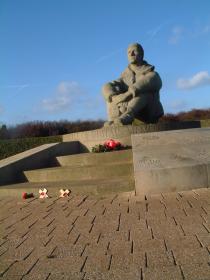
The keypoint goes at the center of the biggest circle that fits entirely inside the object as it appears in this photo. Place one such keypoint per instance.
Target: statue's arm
(108, 92)
(150, 82)
(112, 89)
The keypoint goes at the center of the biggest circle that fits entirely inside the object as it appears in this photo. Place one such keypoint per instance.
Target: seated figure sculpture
(135, 95)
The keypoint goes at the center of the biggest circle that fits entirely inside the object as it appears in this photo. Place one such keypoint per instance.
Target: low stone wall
(123, 134)
(11, 168)
(171, 161)
(205, 123)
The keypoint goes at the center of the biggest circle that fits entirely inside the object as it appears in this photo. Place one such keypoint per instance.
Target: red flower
(24, 195)
(27, 195)
(112, 144)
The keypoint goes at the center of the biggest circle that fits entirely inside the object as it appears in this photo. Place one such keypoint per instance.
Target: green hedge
(15, 146)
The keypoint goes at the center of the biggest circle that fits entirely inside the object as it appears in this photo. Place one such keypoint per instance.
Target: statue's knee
(107, 91)
(107, 87)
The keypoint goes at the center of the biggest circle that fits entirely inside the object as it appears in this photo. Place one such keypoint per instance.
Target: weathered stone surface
(86, 159)
(90, 172)
(88, 139)
(11, 168)
(96, 187)
(136, 93)
(54, 174)
(171, 161)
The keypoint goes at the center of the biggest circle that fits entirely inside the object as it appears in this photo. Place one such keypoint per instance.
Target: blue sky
(56, 54)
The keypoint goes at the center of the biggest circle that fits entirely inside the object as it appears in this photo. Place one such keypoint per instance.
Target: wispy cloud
(200, 79)
(15, 89)
(18, 88)
(176, 35)
(109, 55)
(152, 33)
(65, 96)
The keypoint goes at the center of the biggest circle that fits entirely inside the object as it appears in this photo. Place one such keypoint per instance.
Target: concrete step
(96, 158)
(99, 187)
(66, 173)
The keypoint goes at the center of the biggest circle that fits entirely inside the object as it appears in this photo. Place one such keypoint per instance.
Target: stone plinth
(172, 160)
(91, 138)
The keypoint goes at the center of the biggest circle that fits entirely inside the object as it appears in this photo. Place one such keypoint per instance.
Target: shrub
(193, 115)
(14, 146)
(50, 128)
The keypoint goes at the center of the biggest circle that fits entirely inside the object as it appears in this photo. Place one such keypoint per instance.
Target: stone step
(97, 187)
(66, 173)
(85, 159)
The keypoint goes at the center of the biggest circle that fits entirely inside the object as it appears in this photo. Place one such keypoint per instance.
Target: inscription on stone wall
(202, 154)
(149, 162)
(151, 137)
(181, 157)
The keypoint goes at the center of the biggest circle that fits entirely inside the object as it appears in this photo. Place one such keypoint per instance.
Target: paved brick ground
(118, 237)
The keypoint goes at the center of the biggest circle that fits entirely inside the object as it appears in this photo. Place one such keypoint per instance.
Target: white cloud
(176, 35)
(178, 105)
(70, 97)
(179, 32)
(67, 93)
(200, 79)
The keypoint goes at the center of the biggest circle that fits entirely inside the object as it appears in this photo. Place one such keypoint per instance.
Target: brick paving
(123, 236)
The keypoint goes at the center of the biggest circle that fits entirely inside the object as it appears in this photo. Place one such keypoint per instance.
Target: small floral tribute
(108, 146)
(64, 192)
(43, 193)
(27, 195)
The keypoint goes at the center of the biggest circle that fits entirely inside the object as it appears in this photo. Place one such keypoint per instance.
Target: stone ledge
(123, 134)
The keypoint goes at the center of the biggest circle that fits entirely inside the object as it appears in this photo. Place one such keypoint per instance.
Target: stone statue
(136, 93)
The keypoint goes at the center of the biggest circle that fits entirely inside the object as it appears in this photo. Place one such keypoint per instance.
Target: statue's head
(135, 53)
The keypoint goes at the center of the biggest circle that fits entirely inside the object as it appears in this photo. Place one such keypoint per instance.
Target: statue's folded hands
(116, 99)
